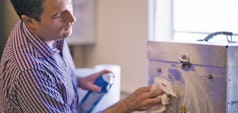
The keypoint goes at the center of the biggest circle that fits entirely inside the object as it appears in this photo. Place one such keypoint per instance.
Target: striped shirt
(35, 78)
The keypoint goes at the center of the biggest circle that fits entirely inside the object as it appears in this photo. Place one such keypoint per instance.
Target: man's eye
(58, 15)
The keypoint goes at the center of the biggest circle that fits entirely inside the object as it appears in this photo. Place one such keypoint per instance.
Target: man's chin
(67, 34)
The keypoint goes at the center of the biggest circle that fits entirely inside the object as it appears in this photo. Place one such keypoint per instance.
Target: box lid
(199, 53)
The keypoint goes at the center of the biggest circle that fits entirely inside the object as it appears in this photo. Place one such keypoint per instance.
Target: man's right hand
(140, 100)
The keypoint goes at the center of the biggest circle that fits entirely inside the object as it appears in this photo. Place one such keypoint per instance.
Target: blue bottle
(91, 99)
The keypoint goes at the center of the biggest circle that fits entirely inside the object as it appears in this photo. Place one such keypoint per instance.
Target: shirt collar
(41, 46)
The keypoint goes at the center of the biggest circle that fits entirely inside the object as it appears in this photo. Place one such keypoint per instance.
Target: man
(36, 73)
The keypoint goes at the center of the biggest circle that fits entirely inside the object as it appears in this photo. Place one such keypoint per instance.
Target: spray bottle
(92, 98)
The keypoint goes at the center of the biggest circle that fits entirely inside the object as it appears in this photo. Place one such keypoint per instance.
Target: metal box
(204, 75)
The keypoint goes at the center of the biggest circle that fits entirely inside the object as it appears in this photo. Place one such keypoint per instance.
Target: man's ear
(30, 22)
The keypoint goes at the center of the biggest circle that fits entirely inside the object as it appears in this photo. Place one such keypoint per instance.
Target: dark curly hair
(30, 8)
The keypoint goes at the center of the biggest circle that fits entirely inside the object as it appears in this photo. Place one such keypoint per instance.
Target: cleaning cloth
(165, 85)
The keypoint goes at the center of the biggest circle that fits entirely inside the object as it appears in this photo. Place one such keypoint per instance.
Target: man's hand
(140, 100)
(87, 83)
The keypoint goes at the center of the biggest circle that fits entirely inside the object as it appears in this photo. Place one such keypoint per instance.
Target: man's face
(56, 20)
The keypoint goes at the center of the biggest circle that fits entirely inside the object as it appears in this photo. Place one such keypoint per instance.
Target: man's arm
(38, 91)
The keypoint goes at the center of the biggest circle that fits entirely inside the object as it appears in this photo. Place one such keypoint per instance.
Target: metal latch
(184, 61)
(182, 109)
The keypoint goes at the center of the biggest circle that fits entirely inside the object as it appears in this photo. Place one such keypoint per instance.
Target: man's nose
(69, 17)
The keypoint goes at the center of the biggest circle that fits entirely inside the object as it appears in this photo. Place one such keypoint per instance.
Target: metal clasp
(182, 109)
(184, 61)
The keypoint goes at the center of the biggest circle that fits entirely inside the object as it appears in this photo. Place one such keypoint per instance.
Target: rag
(165, 85)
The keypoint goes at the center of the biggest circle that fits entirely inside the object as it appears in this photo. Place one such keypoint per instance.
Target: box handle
(210, 36)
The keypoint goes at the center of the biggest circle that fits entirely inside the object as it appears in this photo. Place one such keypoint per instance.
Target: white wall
(121, 38)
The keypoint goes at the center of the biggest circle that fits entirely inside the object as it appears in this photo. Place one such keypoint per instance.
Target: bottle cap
(108, 77)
